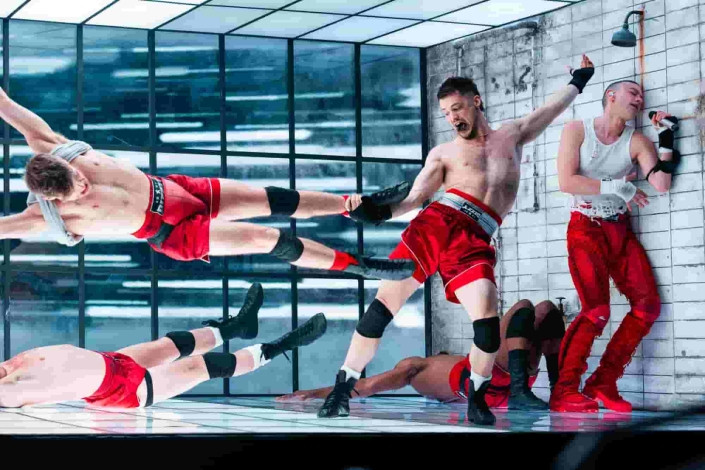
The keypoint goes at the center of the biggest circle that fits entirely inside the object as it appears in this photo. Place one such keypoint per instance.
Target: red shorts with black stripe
(119, 387)
(497, 395)
(446, 240)
(187, 205)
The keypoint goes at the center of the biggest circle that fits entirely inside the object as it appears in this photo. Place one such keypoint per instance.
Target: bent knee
(411, 365)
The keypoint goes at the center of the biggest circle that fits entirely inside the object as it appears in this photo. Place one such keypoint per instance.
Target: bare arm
(533, 124)
(427, 182)
(569, 162)
(647, 157)
(27, 222)
(40, 137)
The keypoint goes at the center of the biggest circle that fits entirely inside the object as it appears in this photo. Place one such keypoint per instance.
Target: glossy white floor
(264, 415)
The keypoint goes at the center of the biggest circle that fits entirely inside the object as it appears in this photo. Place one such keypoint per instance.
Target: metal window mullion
(223, 174)
(6, 190)
(292, 184)
(151, 66)
(357, 78)
(428, 313)
(82, 245)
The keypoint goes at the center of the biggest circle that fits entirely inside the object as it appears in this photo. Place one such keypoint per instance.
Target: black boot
(338, 401)
(520, 395)
(381, 268)
(245, 324)
(307, 333)
(478, 411)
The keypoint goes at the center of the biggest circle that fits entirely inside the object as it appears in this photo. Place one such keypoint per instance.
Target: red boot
(602, 384)
(572, 363)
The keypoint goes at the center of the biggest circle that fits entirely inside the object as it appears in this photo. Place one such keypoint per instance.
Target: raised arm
(427, 182)
(649, 161)
(533, 124)
(27, 222)
(570, 181)
(40, 137)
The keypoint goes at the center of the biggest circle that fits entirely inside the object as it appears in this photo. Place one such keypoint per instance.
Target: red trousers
(599, 249)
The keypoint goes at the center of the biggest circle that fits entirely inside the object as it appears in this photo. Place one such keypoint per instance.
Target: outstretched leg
(240, 238)
(177, 344)
(169, 380)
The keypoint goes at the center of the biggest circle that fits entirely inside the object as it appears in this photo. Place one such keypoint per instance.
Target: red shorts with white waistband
(177, 221)
(497, 395)
(446, 240)
(119, 388)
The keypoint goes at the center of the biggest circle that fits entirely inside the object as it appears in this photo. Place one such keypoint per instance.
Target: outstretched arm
(533, 124)
(40, 137)
(27, 222)
(427, 182)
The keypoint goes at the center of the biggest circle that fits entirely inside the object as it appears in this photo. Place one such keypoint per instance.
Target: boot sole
(607, 403)
(576, 409)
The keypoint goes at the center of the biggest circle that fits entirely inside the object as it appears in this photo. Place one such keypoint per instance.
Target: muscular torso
(116, 202)
(489, 172)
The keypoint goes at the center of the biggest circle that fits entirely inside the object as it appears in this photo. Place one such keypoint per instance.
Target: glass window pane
(120, 251)
(115, 59)
(391, 102)
(405, 336)
(43, 310)
(118, 311)
(43, 72)
(382, 239)
(334, 231)
(193, 166)
(256, 95)
(274, 321)
(260, 172)
(187, 90)
(324, 95)
(40, 249)
(184, 304)
(338, 299)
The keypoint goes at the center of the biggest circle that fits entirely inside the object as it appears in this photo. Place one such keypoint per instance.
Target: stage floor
(265, 415)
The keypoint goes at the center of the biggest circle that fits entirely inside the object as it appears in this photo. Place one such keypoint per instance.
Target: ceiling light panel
(287, 24)
(207, 19)
(66, 11)
(419, 9)
(427, 34)
(359, 29)
(8, 6)
(497, 12)
(137, 14)
(335, 6)
(251, 3)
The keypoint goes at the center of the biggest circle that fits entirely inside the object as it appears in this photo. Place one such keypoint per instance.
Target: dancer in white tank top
(596, 162)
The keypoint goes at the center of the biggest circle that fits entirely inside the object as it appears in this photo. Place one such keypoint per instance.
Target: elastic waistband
(613, 218)
(155, 209)
(473, 208)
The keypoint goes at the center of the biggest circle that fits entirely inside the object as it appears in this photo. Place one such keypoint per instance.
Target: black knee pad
(375, 320)
(282, 201)
(521, 325)
(486, 334)
(552, 326)
(185, 342)
(220, 364)
(288, 248)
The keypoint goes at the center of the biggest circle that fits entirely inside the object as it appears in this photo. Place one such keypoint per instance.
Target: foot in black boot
(381, 268)
(338, 401)
(307, 333)
(520, 395)
(478, 411)
(245, 325)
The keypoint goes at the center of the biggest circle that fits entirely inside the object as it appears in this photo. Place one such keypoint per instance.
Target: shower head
(623, 37)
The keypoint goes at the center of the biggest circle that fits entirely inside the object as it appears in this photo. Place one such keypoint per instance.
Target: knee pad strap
(220, 364)
(487, 334)
(375, 320)
(288, 248)
(282, 201)
(184, 340)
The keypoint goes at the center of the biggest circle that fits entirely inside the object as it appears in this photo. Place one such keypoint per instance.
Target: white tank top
(600, 161)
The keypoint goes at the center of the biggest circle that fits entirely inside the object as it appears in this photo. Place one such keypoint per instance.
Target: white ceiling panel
(427, 34)
(358, 29)
(209, 19)
(251, 3)
(64, 11)
(8, 6)
(419, 9)
(287, 24)
(138, 14)
(335, 6)
(190, 2)
(497, 12)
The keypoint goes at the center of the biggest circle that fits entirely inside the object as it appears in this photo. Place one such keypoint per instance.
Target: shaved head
(614, 87)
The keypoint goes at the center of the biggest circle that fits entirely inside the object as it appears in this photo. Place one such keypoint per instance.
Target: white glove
(620, 187)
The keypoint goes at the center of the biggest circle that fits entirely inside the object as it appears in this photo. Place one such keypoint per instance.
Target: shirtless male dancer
(143, 374)
(480, 172)
(77, 191)
(445, 377)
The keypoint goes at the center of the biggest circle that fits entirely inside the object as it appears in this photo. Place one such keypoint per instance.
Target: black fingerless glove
(665, 140)
(581, 77)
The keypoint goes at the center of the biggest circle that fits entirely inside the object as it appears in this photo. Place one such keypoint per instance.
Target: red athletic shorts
(497, 395)
(119, 388)
(446, 240)
(177, 221)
